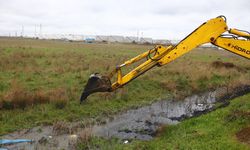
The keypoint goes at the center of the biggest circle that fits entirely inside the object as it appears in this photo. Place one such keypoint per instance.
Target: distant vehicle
(89, 40)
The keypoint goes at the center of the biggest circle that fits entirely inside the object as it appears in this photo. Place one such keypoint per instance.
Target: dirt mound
(228, 65)
(220, 64)
(244, 135)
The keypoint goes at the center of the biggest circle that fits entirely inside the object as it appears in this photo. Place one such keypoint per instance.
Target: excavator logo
(241, 49)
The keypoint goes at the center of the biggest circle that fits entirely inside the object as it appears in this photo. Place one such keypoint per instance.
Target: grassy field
(226, 128)
(41, 80)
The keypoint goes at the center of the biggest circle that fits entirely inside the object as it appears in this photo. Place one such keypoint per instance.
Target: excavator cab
(96, 83)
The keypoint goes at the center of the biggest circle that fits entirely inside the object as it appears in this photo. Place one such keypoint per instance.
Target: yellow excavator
(213, 31)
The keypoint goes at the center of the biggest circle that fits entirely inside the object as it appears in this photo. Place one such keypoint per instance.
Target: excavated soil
(244, 135)
(227, 65)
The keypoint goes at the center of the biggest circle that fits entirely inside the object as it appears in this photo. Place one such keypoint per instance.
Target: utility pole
(40, 30)
(22, 32)
(35, 31)
(137, 35)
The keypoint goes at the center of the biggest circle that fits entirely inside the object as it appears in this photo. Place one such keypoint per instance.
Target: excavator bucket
(96, 83)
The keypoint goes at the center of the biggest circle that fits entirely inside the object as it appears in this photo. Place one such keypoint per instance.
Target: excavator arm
(237, 46)
(236, 41)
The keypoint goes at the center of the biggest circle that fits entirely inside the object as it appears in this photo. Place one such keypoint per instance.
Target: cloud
(153, 18)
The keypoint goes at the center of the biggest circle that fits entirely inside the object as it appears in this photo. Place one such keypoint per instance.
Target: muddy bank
(244, 135)
(140, 123)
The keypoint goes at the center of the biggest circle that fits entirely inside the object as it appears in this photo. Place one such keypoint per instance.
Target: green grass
(42, 68)
(215, 130)
(95, 107)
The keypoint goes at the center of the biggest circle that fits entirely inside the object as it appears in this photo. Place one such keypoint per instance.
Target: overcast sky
(167, 19)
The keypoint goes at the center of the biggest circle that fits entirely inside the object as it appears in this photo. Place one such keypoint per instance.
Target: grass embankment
(41, 80)
(225, 128)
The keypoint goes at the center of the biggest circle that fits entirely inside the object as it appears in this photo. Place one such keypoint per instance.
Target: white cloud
(155, 18)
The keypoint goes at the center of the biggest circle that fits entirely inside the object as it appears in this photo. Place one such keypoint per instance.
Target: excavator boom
(237, 41)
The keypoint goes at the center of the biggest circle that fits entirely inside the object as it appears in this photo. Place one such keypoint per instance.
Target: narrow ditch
(141, 123)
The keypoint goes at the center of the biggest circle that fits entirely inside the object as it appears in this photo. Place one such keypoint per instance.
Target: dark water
(142, 123)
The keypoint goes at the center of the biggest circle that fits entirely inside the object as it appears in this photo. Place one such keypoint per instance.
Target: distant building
(174, 42)
(146, 40)
(162, 41)
(105, 38)
(130, 39)
(208, 45)
(102, 38)
(116, 39)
